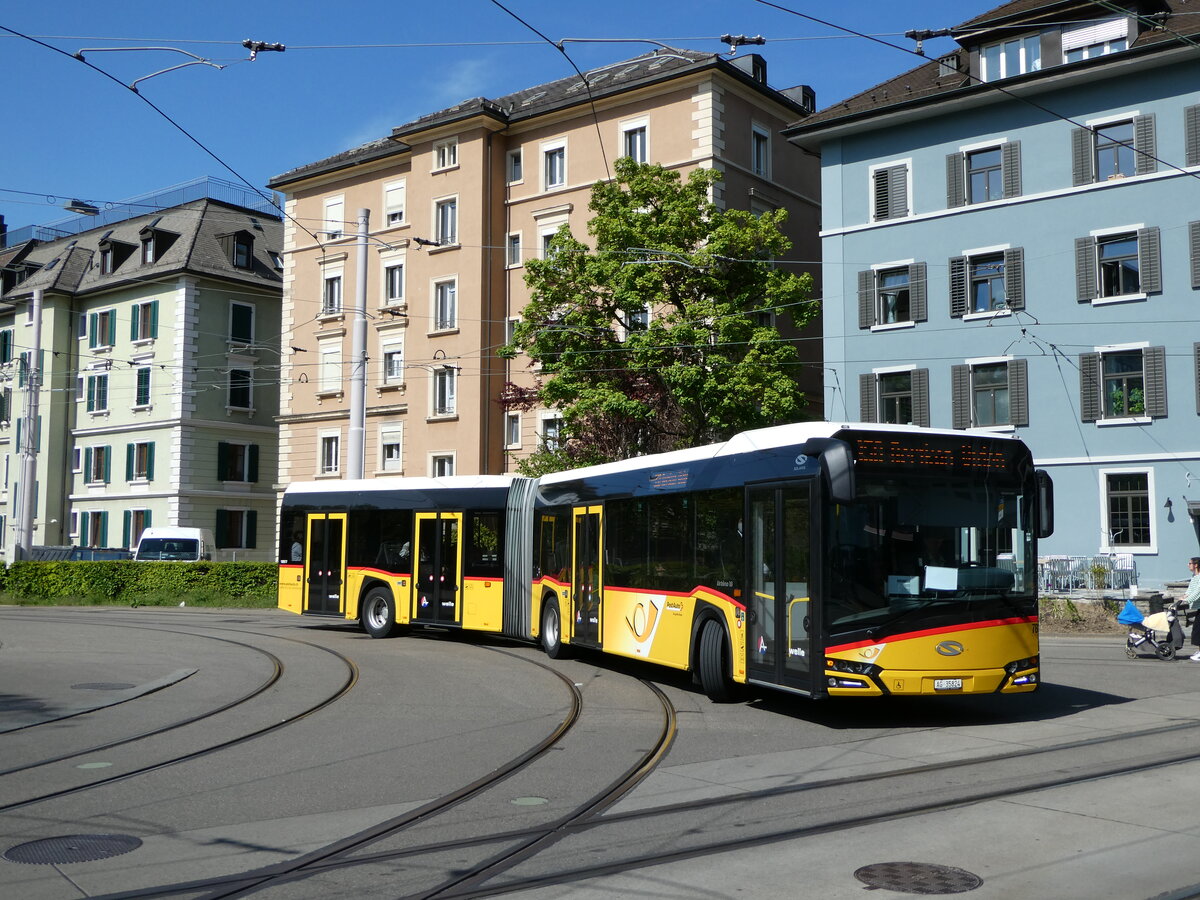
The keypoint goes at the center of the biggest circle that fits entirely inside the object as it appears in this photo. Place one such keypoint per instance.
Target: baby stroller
(1161, 632)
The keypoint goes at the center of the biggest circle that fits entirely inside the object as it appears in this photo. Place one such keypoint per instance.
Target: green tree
(660, 336)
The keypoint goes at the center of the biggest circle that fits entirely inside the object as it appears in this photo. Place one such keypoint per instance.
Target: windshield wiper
(878, 630)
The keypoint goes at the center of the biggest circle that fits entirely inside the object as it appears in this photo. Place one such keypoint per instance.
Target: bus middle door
(437, 579)
(587, 579)
(325, 564)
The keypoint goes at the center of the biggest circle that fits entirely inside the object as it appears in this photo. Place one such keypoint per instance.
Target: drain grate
(917, 878)
(73, 848)
(102, 686)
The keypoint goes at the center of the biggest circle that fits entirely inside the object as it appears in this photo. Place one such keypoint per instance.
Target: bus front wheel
(379, 613)
(551, 633)
(713, 663)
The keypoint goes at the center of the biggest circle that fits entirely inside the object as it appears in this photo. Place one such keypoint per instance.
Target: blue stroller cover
(1130, 614)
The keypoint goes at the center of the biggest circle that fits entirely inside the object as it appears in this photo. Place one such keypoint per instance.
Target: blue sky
(352, 71)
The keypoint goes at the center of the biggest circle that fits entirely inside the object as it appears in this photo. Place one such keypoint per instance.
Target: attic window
(113, 254)
(948, 65)
(243, 250)
(1091, 39)
(1010, 58)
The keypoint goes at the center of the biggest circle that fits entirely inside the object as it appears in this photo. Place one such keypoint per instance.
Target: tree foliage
(707, 362)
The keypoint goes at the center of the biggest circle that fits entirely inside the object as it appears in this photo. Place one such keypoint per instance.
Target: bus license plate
(947, 684)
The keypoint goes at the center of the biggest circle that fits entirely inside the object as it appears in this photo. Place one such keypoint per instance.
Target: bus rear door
(437, 581)
(779, 615)
(325, 564)
(587, 580)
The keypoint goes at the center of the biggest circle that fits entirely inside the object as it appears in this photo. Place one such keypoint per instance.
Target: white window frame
(387, 265)
(545, 417)
(1106, 544)
(444, 393)
(329, 366)
(335, 217)
(548, 148)
(514, 166)
(446, 237)
(391, 436)
(1107, 350)
(387, 349)
(445, 456)
(1097, 235)
(253, 322)
(445, 154)
(511, 419)
(328, 274)
(632, 126)
(438, 291)
(1024, 64)
(760, 138)
(103, 315)
(395, 204)
(513, 250)
(329, 464)
(879, 325)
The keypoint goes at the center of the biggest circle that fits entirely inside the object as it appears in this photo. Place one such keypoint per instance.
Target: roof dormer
(155, 242)
(113, 253)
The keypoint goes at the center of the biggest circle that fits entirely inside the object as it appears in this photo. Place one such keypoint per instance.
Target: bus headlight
(1021, 665)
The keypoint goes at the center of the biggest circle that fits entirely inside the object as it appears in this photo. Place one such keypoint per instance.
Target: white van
(175, 544)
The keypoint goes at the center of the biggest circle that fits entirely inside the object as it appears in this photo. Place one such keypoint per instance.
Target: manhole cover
(918, 878)
(73, 848)
(102, 686)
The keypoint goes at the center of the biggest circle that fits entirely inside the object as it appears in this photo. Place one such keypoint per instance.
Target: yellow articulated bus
(827, 560)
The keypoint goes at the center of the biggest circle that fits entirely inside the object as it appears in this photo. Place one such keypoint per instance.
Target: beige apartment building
(457, 201)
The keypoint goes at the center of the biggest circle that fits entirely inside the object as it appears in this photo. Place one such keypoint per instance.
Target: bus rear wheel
(713, 663)
(379, 613)
(551, 633)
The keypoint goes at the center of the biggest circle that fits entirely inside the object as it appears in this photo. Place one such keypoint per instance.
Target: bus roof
(420, 483)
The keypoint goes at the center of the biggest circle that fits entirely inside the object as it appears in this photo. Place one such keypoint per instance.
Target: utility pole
(356, 440)
(28, 448)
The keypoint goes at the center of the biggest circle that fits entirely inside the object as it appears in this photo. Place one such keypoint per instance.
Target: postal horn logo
(949, 648)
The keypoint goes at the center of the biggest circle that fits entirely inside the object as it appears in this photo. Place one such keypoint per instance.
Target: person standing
(1192, 598)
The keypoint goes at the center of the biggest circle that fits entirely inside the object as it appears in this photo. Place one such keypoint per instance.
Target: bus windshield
(914, 549)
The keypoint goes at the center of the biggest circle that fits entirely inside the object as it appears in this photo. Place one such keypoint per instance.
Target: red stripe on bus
(928, 632)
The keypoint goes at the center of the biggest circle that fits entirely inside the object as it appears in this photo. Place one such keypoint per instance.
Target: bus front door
(779, 612)
(437, 581)
(325, 564)
(587, 579)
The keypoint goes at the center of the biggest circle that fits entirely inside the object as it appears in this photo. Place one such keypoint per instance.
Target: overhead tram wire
(238, 175)
(993, 85)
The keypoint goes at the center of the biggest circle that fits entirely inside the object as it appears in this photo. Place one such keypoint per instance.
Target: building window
(97, 392)
(441, 465)
(148, 249)
(445, 385)
(243, 251)
(1112, 150)
(394, 196)
(236, 529)
(237, 462)
(551, 428)
(102, 329)
(760, 151)
(554, 167)
(97, 465)
(512, 430)
(445, 305)
(335, 218)
(990, 393)
(139, 461)
(329, 374)
(107, 263)
(899, 397)
(634, 143)
(330, 454)
(393, 283)
(240, 382)
(391, 449)
(143, 325)
(1127, 503)
(1010, 58)
(889, 191)
(445, 154)
(93, 528)
(393, 363)
(514, 166)
(1090, 39)
(513, 256)
(6, 346)
(331, 295)
(1123, 383)
(983, 175)
(135, 522)
(446, 222)
(6, 407)
(241, 323)
(984, 180)
(141, 397)
(892, 295)
(1118, 265)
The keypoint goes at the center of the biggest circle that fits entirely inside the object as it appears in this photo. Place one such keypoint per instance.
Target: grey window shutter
(1089, 387)
(958, 287)
(920, 397)
(1191, 132)
(1148, 259)
(868, 408)
(1085, 269)
(1014, 278)
(917, 292)
(956, 191)
(1018, 392)
(1010, 168)
(960, 396)
(1144, 144)
(866, 299)
(1082, 163)
(898, 192)
(1196, 354)
(1194, 249)
(882, 195)
(1154, 365)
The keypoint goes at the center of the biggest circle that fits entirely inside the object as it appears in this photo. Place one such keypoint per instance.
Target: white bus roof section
(379, 485)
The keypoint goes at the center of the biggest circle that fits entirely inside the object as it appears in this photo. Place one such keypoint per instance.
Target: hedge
(125, 581)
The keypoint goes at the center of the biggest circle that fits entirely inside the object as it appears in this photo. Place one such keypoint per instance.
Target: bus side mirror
(1045, 503)
(837, 465)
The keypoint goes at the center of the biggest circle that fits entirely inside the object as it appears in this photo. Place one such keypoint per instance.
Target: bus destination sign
(932, 453)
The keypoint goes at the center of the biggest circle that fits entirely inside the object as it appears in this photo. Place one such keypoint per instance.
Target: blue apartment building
(1011, 243)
